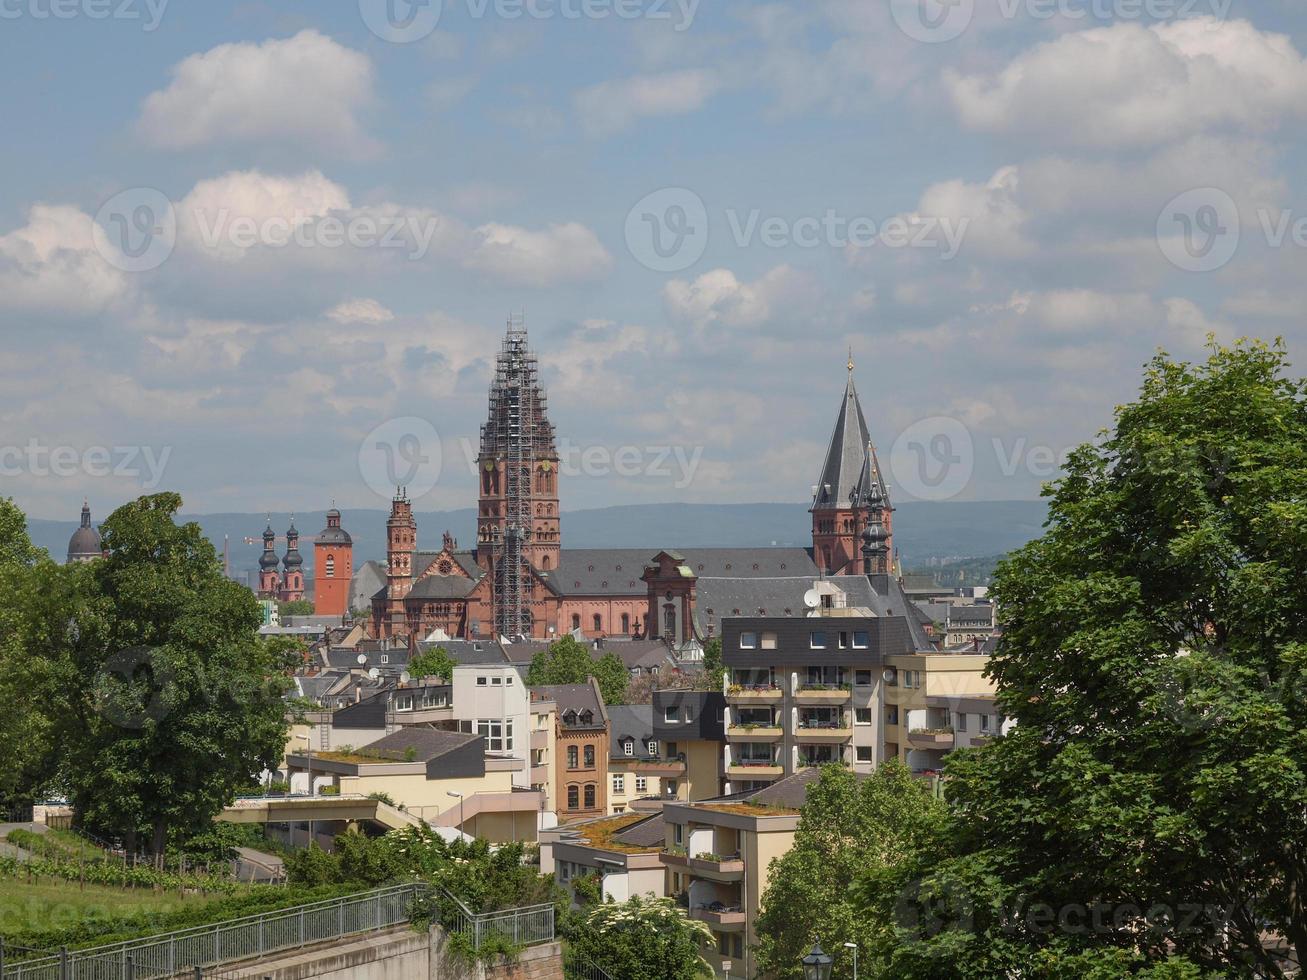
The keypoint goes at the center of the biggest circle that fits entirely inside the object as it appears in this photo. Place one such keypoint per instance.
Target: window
(678, 833)
(589, 756)
(862, 678)
(626, 622)
(496, 681)
(748, 641)
(844, 639)
(689, 714)
(817, 640)
(768, 641)
(641, 784)
(589, 796)
(862, 716)
(498, 734)
(670, 714)
(572, 756)
(573, 798)
(861, 640)
(961, 723)
(671, 787)
(587, 717)
(569, 717)
(331, 566)
(481, 682)
(509, 680)
(385, 658)
(404, 702)
(619, 784)
(891, 714)
(984, 723)
(863, 753)
(599, 623)
(653, 746)
(628, 747)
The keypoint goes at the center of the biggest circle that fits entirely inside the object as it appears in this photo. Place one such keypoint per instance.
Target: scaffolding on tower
(517, 420)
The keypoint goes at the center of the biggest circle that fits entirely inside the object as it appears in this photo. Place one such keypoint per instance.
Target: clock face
(489, 465)
(546, 466)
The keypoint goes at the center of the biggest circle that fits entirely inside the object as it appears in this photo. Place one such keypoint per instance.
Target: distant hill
(923, 531)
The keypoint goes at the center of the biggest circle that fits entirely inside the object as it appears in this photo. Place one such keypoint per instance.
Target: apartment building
(690, 728)
(582, 744)
(622, 853)
(935, 703)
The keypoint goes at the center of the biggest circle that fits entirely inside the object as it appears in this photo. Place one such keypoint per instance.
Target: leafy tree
(1154, 659)
(851, 827)
(568, 662)
(714, 671)
(640, 939)
(178, 701)
(433, 663)
(295, 607)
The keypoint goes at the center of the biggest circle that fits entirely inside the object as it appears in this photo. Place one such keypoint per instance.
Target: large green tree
(1149, 808)
(567, 661)
(433, 663)
(178, 703)
(639, 939)
(886, 823)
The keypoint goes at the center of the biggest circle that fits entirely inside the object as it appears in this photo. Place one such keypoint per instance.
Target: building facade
(333, 568)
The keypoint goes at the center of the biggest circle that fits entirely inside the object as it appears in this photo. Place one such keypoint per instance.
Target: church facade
(677, 594)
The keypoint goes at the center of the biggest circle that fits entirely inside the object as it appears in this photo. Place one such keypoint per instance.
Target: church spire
(846, 454)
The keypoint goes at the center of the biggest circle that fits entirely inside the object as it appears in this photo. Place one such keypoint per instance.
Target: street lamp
(854, 947)
(816, 965)
(459, 796)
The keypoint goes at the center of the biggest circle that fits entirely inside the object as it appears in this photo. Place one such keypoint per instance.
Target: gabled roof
(630, 721)
(577, 698)
(618, 571)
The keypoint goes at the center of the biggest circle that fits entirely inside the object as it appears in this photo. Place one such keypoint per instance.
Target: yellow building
(935, 702)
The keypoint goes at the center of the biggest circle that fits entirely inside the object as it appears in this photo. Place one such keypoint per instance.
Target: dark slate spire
(293, 559)
(847, 457)
(268, 559)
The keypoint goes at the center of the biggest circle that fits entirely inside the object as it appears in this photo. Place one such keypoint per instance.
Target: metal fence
(175, 953)
(576, 967)
(529, 925)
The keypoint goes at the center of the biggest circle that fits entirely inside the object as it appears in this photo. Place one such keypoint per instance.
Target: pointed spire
(846, 456)
(86, 512)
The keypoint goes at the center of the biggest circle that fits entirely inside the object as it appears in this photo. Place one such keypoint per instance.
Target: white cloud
(367, 312)
(719, 298)
(1131, 85)
(51, 264)
(561, 253)
(615, 105)
(302, 88)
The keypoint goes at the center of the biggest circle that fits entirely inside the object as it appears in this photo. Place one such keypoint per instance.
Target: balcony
(753, 694)
(718, 867)
(727, 918)
(755, 770)
(754, 733)
(666, 766)
(931, 738)
(823, 734)
(823, 694)
(539, 739)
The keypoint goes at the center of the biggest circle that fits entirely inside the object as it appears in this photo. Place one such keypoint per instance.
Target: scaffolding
(516, 436)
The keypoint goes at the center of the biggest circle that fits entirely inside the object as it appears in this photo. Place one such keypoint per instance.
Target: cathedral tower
(333, 568)
(517, 514)
(292, 584)
(269, 578)
(849, 493)
(401, 544)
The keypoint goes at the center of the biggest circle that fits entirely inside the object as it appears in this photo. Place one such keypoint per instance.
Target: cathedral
(519, 581)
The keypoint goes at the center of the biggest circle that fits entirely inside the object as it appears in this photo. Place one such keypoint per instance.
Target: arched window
(576, 621)
(545, 563)
(590, 796)
(599, 623)
(589, 758)
(331, 566)
(573, 798)
(626, 622)
(571, 757)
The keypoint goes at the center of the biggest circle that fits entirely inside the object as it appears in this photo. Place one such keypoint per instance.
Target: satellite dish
(890, 674)
(362, 659)
(405, 677)
(811, 599)
(374, 673)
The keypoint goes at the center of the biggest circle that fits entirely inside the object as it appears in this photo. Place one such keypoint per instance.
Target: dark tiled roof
(842, 472)
(647, 833)
(719, 598)
(617, 571)
(442, 587)
(427, 743)
(469, 651)
(634, 721)
(575, 697)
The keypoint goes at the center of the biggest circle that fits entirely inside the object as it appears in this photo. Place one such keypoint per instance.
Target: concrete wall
(400, 954)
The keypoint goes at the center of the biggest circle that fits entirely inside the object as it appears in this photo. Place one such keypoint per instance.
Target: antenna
(811, 599)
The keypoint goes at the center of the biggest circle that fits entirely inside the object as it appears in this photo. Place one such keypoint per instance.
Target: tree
(851, 827)
(433, 663)
(713, 677)
(1149, 807)
(295, 607)
(178, 703)
(640, 939)
(568, 662)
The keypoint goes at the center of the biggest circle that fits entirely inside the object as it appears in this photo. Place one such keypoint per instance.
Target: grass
(47, 904)
(600, 834)
(748, 809)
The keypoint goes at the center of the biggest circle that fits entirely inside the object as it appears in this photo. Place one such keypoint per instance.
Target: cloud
(718, 298)
(306, 88)
(1132, 85)
(561, 253)
(52, 264)
(612, 106)
(361, 311)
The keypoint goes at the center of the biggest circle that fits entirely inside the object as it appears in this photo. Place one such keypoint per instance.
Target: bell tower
(401, 544)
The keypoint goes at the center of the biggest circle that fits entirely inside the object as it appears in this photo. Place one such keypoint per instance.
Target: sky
(263, 253)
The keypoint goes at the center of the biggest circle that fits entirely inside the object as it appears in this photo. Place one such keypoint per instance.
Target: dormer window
(628, 747)
(587, 717)
(569, 717)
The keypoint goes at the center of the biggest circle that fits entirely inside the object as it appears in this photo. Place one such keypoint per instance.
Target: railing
(254, 936)
(529, 925)
(577, 967)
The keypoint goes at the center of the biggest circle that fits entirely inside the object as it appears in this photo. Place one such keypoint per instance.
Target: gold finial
(850, 359)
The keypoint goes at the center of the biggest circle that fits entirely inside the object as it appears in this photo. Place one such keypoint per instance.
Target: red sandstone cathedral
(519, 580)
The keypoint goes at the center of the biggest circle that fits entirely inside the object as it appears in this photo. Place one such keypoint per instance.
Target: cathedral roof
(85, 541)
(846, 472)
(617, 571)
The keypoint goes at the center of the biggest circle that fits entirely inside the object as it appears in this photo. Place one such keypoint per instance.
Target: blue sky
(992, 217)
